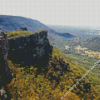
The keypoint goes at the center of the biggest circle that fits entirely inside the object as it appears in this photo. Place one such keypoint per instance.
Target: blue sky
(55, 12)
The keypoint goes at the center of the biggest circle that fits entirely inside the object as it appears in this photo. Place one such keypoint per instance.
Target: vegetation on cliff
(33, 83)
(21, 33)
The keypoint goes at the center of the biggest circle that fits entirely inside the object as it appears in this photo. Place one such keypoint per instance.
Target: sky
(55, 12)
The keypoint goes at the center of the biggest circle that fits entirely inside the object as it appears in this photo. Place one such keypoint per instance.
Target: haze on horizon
(55, 12)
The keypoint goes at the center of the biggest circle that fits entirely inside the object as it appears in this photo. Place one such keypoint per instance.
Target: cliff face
(29, 49)
(22, 50)
(5, 74)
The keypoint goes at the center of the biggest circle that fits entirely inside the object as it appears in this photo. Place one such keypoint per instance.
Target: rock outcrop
(29, 48)
(23, 29)
(4, 67)
(5, 74)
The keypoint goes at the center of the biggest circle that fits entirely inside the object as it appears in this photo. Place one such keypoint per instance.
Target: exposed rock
(3, 95)
(24, 48)
(23, 29)
(5, 74)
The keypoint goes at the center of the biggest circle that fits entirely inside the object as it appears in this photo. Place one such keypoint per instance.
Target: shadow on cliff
(41, 66)
(27, 59)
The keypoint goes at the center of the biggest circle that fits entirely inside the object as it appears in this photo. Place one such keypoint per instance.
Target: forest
(43, 81)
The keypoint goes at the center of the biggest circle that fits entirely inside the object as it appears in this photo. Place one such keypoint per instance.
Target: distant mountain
(67, 35)
(11, 23)
(70, 29)
(92, 43)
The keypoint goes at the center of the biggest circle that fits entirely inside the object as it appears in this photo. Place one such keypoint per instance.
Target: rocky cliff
(24, 50)
(4, 67)
(29, 49)
(5, 74)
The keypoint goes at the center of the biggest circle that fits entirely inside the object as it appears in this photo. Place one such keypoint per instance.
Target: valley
(83, 50)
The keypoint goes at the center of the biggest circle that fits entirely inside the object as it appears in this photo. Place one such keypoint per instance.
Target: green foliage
(18, 33)
(21, 33)
(33, 83)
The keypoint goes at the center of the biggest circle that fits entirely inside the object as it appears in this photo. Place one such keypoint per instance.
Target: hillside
(45, 82)
(12, 23)
(92, 44)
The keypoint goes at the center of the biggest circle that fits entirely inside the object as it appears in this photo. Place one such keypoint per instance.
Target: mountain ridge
(12, 23)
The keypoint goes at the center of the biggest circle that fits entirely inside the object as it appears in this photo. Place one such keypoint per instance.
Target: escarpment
(24, 50)
(27, 50)
(32, 50)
